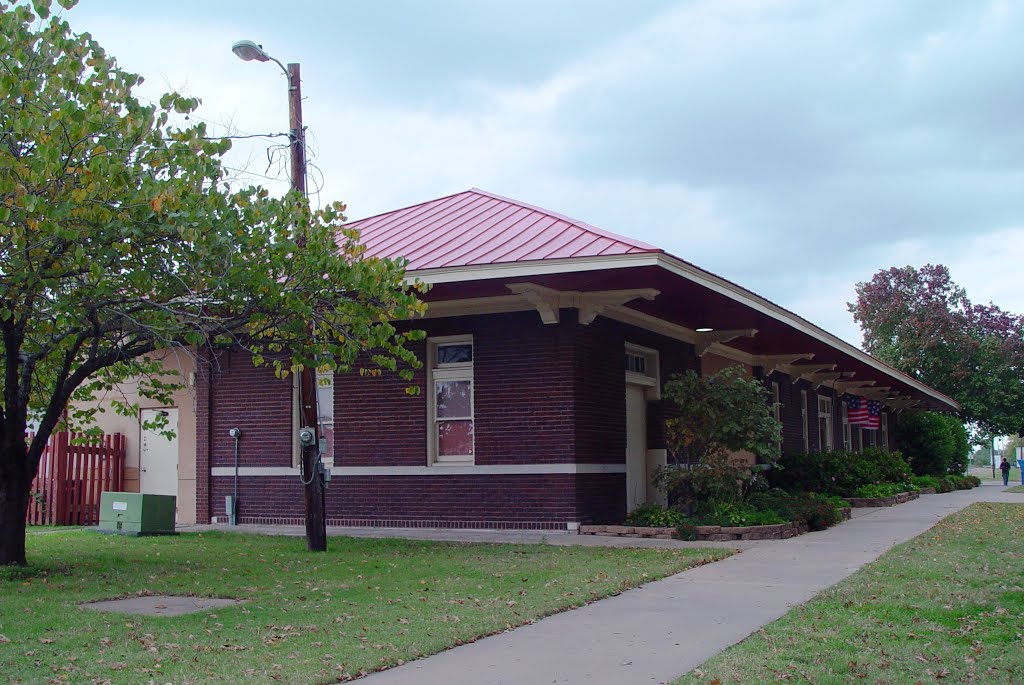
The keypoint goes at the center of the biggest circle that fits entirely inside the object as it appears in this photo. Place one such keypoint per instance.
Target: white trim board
(437, 470)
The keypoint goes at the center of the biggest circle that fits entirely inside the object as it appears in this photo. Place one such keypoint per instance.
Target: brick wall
(202, 389)
(543, 394)
(254, 400)
(445, 501)
(361, 404)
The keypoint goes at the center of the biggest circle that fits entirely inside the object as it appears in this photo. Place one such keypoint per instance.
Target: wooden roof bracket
(549, 301)
(850, 386)
(704, 340)
(813, 372)
(770, 363)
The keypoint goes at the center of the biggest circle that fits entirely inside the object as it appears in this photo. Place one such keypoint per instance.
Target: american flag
(861, 411)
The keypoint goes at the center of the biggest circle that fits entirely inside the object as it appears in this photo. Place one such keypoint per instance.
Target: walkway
(666, 628)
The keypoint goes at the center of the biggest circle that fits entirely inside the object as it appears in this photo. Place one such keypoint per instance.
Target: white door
(158, 456)
(636, 446)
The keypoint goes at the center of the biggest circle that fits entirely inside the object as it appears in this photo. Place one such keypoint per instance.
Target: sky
(795, 147)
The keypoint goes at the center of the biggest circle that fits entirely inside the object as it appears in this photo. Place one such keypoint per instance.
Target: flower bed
(890, 501)
(780, 531)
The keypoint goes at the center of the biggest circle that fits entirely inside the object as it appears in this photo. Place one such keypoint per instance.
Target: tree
(934, 444)
(922, 323)
(1009, 450)
(120, 236)
(716, 416)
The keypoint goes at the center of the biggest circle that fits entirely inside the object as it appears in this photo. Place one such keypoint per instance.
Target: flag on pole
(861, 411)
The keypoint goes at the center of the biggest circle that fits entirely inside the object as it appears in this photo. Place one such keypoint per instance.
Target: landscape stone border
(898, 498)
(780, 531)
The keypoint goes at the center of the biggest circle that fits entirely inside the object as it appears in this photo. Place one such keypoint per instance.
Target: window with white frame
(884, 428)
(803, 416)
(641, 364)
(325, 412)
(325, 415)
(867, 438)
(451, 400)
(825, 424)
(847, 430)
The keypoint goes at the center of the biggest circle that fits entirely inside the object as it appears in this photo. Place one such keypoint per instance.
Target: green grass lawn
(946, 607)
(309, 618)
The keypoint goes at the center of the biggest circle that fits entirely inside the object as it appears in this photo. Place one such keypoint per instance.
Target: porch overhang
(667, 295)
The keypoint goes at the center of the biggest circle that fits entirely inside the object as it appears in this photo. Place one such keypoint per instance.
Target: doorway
(636, 446)
(642, 386)
(158, 455)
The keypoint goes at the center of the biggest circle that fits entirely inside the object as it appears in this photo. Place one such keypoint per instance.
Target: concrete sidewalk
(666, 628)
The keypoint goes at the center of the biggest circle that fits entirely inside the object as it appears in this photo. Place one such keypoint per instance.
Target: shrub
(816, 511)
(726, 513)
(974, 480)
(714, 416)
(839, 472)
(925, 482)
(655, 516)
(934, 444)
(879, 490)
(960, 482)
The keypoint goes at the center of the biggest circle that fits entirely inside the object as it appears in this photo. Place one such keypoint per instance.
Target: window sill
(454, 462)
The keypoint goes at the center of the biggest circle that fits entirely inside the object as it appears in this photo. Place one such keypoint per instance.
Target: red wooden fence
(73, 471)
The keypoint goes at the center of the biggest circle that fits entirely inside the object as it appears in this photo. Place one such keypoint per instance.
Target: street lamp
(309, 437)
(247, 51)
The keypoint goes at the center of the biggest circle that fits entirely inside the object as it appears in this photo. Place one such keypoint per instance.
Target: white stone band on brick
(438, 470)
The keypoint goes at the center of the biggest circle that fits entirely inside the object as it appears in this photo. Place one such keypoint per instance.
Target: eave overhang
(689, 297)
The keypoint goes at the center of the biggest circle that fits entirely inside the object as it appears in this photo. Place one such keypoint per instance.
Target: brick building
(548, 341)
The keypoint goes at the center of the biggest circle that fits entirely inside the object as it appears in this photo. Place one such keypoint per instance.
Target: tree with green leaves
(934, 444)
(121, 237)
(716, 417)
(922, 323)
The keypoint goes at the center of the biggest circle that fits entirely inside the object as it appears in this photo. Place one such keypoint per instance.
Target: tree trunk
(14, 493)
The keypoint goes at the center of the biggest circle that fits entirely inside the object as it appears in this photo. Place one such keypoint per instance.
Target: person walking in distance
(1005, 468)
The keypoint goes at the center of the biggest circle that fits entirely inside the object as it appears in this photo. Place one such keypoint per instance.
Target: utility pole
(313, 472)
(309, 435)
(993, 457)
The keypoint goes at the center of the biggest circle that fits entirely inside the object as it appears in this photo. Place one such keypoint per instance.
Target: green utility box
(136, 513)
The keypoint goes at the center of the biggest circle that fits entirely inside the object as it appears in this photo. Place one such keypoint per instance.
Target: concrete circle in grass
(161, 605)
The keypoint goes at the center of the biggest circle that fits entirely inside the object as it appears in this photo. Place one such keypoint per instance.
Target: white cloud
(793, 146)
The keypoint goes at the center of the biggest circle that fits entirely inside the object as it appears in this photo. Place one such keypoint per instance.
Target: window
(884, 427)
(325, 414)
(867, 438)
(451, 400)
(847, 431)
(325, 411)
(803, 414)
(825, 424)
(636, 363)
(641, 364)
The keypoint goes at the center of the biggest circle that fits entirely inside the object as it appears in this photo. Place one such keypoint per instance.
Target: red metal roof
(476, 227)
